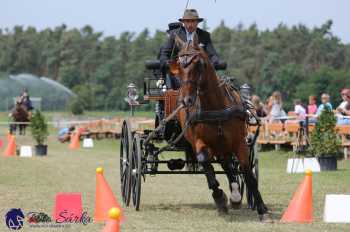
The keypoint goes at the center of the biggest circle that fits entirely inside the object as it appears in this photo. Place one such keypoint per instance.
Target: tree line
(298, 61)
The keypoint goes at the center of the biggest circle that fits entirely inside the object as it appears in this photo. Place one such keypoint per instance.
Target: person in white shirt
(344, 117)
(299, 110)
(341, 108)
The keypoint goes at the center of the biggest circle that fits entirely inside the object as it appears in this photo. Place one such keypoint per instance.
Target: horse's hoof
(221, 202)
(235, 197)
(265, 218)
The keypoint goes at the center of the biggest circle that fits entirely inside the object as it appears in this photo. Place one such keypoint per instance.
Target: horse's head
(189, 66)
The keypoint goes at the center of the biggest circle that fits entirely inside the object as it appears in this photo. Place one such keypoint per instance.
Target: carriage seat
(152, 64)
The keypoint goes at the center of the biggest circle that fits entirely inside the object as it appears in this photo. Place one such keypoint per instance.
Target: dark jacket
(203, 38)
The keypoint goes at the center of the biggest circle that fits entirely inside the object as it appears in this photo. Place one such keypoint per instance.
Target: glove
(160, 83)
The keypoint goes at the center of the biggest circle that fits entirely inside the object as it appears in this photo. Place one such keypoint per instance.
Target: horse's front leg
(235, 197)
(203, 159)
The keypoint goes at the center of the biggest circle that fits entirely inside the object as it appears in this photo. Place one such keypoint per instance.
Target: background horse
(215, 123)
(19, 114)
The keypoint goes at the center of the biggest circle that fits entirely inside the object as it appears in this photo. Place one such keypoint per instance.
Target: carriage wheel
(136, 167)
(250, 198)
(125, 163)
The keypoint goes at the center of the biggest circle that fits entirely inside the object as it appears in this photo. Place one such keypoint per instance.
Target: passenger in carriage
(168, 81)
(169, 51)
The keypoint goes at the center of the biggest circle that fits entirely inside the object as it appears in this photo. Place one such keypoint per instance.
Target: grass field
(168, 203)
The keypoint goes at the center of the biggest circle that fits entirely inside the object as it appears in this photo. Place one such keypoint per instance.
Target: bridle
(185, 59)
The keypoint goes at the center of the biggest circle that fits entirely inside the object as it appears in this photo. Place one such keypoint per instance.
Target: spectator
(259, 107)
(299, 110)
(275, 107)
(65, 133)
(325, 99)
(344, 109)
(312, 107)
(340, 109)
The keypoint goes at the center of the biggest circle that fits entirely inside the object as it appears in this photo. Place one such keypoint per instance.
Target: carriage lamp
(132, 92)
(246, 92)
(132, 97)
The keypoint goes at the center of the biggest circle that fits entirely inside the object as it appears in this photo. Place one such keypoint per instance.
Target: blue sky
(115, 16)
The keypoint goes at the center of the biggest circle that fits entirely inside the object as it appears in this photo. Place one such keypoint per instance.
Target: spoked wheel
(125, 162)
(136, 167)
(250, 198)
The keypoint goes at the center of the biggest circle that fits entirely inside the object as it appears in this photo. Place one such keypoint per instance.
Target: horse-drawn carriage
(140, 150)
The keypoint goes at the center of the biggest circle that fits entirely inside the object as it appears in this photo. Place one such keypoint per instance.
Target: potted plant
(39, 132)
(324, 142)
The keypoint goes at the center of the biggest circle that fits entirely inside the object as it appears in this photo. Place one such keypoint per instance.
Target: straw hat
(191, 14)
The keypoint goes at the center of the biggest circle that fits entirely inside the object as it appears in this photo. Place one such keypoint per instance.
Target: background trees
(297, 60)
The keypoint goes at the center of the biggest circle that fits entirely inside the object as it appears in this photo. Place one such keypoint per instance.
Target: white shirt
(300, 111)
(189, 36)
(343, 105)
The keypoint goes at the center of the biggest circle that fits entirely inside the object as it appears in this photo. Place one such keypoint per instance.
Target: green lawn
(168, 203)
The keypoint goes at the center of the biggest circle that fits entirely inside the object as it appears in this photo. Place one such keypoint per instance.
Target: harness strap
(218, 115)
(162, 123)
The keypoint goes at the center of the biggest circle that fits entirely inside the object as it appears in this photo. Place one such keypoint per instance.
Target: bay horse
(214, 121)
(19, 114)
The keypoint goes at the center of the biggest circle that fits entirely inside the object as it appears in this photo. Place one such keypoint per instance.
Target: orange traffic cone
(75, 141)
(113, 224)
(11, 147)
(105, 199)
(300, 207)
(8, 135)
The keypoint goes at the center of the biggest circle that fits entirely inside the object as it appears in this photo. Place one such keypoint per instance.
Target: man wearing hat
(190, 22)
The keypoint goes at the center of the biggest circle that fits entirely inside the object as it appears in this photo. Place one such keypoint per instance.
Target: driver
(190, 21)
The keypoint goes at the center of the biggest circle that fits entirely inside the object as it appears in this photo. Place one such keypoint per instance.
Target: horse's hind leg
(232, 176)
(24, 129)
(218, 195)
(252, 183)
(21, 132)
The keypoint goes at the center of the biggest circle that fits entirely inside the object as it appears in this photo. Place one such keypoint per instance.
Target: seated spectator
(312, 107)
(325, 99)
(275, 107)
(65, 133)
(340, 109)
(344, 109)
(299, 110)
(259, 107)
